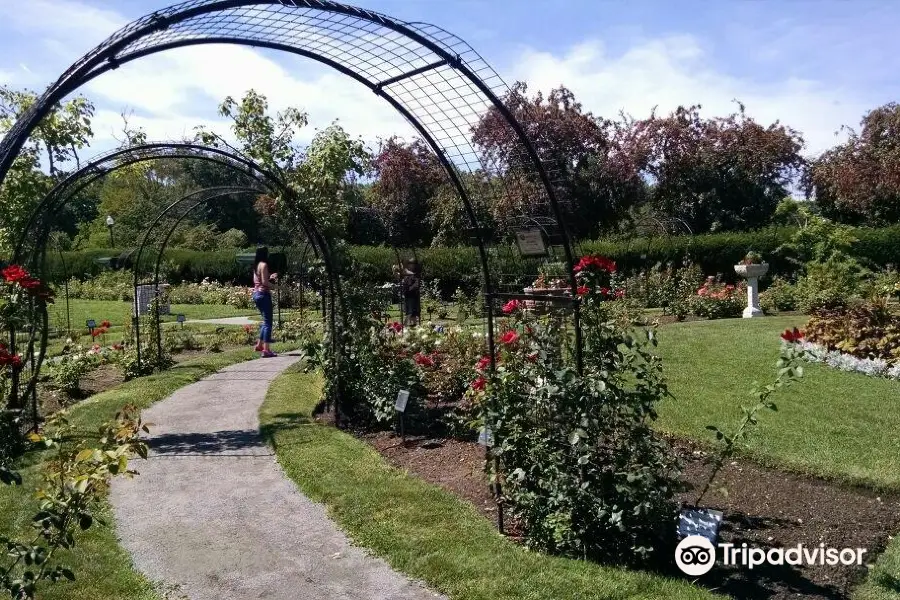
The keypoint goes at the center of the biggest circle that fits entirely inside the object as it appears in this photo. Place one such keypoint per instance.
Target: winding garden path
(213, 514)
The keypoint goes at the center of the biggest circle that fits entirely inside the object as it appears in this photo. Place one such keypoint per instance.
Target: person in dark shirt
(411, 285)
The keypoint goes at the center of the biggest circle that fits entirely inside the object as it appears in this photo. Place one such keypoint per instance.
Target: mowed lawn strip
(119, 313)
(103, 570)
(833, 424)
(422, 530)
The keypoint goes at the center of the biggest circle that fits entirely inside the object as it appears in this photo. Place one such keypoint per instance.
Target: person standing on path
(262, 298)
(412, 292)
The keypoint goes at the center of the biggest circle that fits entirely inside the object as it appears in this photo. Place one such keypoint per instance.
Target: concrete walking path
(213, 514)
(224, 321)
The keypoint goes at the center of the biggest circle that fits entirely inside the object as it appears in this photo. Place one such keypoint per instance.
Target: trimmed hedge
(460, 266)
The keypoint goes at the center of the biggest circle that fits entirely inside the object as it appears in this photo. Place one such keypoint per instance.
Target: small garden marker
(704, 522)
(400, 406)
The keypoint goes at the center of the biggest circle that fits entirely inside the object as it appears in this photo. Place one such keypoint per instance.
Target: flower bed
(717, 300)
(874, 367)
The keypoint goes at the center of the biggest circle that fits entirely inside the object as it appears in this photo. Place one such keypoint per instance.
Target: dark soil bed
(764, 508)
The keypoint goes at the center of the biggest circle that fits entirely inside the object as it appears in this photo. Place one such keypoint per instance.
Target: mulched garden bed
(764, 508)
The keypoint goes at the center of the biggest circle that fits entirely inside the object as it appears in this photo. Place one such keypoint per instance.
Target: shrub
(108, 285)
(718, 300)
(592, 480)
(781, 295)
(864, 330)
(829, 284)
(67, 372)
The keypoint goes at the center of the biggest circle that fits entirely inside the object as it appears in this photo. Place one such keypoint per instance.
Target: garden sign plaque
(531, 242)
(485, 437)
(402, 399)
(704, 522)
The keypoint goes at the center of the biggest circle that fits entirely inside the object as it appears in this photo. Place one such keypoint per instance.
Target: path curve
(213, 514)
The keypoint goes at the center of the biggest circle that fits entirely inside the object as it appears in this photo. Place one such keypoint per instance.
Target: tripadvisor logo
(695, 555)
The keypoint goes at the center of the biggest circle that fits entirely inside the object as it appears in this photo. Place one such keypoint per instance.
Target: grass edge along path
(883, 580)
(103, 569)
(421, 530)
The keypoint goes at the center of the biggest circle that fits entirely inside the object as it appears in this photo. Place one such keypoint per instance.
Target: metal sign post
(400, 407)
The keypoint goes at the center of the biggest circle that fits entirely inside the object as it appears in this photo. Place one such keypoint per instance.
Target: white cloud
(172, 92)
(673, 71)
(191, 82)
(76, 21)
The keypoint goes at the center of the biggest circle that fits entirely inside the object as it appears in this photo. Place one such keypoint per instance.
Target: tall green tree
(52, 149)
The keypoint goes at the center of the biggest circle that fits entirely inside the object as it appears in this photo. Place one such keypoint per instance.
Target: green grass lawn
(102, 568)
(844, 426)
(119, 313)
(422, 530)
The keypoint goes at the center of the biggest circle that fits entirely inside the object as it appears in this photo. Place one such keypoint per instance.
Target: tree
(267, 139)
(54, 144)
(858, 182)
(408, 177)
(596, 183)
(327, 179)
(724, 173)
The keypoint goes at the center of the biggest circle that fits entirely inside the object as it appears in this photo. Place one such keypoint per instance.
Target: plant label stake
(181, 319)
(486, 437)
(400, 407)
(91, 325)
(704, 522)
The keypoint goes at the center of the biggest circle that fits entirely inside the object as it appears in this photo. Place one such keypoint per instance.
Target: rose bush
(581, 468)
(717, 300)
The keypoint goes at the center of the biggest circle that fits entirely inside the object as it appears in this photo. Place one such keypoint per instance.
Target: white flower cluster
(874, 367)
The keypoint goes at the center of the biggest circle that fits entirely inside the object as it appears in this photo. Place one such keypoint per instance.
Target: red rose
(509, 338)
(14, 274)
(510, 307)
(604, 291)
(583, 290)
(792, 336)
(396, 327)
(483, 364)
(620, 293)
(479, 384)
(598, 262)
(423, 360)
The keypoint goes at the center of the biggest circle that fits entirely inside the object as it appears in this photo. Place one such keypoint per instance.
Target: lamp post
(109, 224)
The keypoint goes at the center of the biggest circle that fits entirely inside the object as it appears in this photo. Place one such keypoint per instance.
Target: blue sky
(815, 65)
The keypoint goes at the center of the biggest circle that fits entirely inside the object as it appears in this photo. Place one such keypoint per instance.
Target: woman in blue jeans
(262, 298)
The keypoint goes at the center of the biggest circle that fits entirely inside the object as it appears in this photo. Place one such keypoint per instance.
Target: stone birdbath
(751, 269)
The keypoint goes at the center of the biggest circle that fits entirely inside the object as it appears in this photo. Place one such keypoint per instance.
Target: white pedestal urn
(752, 273)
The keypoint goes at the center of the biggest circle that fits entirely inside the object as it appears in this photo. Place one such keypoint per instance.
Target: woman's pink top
(257, 283)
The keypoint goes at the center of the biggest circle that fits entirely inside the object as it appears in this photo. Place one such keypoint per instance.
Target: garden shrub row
(460, 266)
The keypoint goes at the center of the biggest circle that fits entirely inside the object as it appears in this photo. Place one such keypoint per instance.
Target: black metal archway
(195, 199)
(432, 78)
(31, 247)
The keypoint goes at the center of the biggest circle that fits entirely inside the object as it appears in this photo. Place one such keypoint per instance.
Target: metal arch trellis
(206, 195)
(434, 79)
(31, 246)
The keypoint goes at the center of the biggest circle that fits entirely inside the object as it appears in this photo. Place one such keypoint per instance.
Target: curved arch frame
(215, 194)
(40, 222)
(419, 55)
